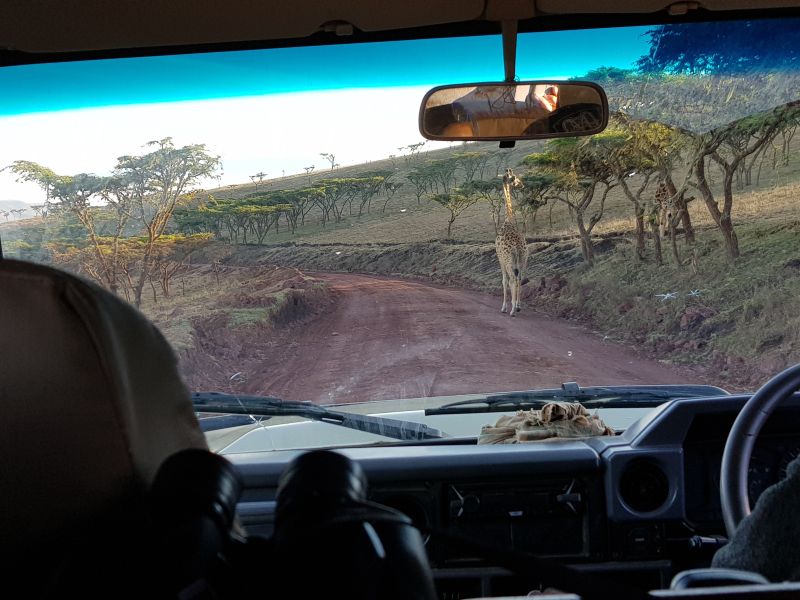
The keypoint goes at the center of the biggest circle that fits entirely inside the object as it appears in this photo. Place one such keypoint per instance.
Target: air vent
(644, 486)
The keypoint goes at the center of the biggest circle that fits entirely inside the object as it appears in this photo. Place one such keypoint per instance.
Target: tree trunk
(656, 242)
(153, 286)
(165, 285)
(721, 218)
(639, 234)
(686, 221)
(725, 222)
(730, 237)
(137, 293)
(587, 250)
(674, 243)
(683, 208)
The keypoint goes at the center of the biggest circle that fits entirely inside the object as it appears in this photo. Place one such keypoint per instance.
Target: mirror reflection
(521, 110)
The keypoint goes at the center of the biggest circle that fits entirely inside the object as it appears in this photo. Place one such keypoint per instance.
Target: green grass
(242, 317)
(751, 325)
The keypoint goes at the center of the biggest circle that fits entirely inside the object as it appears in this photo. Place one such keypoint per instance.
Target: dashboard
(777, 446)
(640, 506)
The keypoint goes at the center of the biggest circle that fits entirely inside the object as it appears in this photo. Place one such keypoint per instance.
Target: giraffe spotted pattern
(512, 250)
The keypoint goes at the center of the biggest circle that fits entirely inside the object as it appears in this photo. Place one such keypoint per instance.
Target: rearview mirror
(513, 111)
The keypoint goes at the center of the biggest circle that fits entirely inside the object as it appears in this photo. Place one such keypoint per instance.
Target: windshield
(279, 217)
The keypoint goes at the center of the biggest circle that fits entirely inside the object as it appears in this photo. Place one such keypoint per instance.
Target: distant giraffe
(671, 208)
(512, 251)
(665, 206)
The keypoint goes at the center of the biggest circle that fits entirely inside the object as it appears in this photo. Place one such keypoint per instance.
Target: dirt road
(388, 338)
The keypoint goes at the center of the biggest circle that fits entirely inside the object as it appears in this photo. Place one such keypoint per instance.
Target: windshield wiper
(267, 406)
(639, 396)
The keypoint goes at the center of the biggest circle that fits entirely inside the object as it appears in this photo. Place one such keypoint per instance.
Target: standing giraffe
(672, 209)
(664, 205)
(512, 251)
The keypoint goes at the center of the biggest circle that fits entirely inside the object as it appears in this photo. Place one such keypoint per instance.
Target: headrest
(92, 404)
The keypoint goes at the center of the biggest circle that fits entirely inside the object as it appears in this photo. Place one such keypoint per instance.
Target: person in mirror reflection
(547, 99)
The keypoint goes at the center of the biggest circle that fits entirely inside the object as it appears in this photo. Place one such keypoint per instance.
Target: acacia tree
(472, 163)
(29, 171)
(728, 148)
(198, 219)
(626, 162)
(97, 203)
(297, 204)
(722, 47)
(581, 171)
(492, 192)
(171, 254)
(390, 189)
(455, 202)
(421, 180)
(533, 195)
(442, 173)
(221, 218)
(258, 178)
(626, 159)
(331, 158)
(334, 195)
(258, 219)
(413, 151)
(158, 182)
(367, 187)
(656, 149)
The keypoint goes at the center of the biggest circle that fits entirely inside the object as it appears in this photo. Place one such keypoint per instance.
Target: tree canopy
(722, 47)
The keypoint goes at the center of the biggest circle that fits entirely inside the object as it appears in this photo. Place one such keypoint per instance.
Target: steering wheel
(742, 438)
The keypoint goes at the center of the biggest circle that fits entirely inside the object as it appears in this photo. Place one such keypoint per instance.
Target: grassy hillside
(405, 220)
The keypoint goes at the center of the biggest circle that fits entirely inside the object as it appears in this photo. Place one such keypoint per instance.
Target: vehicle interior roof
(40, 31)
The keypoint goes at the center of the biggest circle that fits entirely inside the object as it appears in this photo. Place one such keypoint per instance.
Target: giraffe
(512, 251)
(665, 205)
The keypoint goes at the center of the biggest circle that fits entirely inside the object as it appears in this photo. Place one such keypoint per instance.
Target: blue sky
(63, 86)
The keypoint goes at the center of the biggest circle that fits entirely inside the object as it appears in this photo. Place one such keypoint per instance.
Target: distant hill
(8, 205)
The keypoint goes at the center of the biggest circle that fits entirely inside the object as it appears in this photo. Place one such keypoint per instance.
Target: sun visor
(72, 25)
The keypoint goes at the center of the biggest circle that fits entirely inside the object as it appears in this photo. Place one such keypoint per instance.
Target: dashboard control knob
(570, 498)
(471, 503)
(456, 504)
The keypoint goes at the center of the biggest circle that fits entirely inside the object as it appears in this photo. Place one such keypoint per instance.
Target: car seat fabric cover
(92, 403)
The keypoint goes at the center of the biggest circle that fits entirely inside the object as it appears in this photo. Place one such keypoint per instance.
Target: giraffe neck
(509, 204)
(661, 192)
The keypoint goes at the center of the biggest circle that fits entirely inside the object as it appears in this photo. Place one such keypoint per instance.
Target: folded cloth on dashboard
(553, 420)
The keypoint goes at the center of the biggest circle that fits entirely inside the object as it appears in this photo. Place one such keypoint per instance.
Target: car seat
(92, 405)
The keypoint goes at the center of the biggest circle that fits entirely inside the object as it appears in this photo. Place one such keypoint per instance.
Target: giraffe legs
(505, 293)
(514, 295)
(512, 285)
